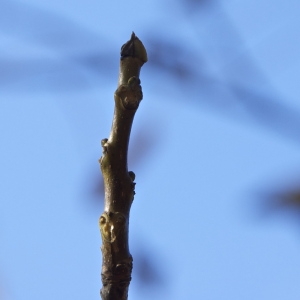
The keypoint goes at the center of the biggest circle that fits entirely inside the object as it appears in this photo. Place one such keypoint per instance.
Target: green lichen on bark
(118, 182)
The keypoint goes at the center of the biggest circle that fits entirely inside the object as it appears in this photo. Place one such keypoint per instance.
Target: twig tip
(134, 48)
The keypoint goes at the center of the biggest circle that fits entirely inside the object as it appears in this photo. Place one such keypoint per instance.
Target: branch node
(130, 94)
(131, 175)
(104, 145)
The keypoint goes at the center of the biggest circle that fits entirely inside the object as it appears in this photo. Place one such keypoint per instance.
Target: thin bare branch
(118, 182)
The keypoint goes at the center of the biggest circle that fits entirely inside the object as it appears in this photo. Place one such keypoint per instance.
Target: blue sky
(215, 135)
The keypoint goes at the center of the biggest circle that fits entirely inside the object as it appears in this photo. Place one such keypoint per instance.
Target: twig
(118, 182)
